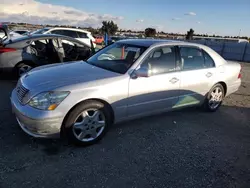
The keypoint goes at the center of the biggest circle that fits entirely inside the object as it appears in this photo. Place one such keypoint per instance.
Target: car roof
(156, 42)
(42, 36)
(20, 30)
(66, 28)
(148, 42)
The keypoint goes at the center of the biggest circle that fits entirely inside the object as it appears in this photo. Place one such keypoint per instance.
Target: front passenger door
(160, 90)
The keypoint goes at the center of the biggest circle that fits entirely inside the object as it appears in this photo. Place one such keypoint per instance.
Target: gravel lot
(187, 148)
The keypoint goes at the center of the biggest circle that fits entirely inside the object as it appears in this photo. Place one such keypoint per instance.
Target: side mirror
(141, 72)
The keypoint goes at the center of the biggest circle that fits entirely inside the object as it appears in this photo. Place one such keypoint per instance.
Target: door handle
(174, 80)
(209, 74)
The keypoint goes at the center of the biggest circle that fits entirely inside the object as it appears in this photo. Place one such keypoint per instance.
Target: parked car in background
(5, 33)
(22, 32)
(99, 39)
(113, 39)
(79, 34)
(126, 80)
(20, 55)
(14, 34)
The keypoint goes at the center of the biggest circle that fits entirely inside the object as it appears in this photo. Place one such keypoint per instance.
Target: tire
(27, 66)
(210, 104)
(79, 129)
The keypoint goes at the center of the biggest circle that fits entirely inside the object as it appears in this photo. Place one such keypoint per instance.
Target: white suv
(79, 34)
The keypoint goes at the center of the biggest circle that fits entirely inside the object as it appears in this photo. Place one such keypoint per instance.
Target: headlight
(48, 100)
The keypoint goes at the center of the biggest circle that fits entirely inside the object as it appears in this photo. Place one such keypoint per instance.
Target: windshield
(40, 31)
(117, 57)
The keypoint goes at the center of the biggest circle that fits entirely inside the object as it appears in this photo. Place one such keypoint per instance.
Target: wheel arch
(224, 85)
(87, 100)
(29, 62)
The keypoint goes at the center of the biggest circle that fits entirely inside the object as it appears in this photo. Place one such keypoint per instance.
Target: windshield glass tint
(117, 57)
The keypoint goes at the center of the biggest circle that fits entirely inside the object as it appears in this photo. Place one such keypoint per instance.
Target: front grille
(21, 91)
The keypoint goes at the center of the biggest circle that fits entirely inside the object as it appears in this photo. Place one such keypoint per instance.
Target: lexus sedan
(126, 80)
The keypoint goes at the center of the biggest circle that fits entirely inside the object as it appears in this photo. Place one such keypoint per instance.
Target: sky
(219, 17)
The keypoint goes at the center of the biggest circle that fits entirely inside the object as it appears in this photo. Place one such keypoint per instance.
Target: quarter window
(208, 60)
(191, 58)
(161, 60)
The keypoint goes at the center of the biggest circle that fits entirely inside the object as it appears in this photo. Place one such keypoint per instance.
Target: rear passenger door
(197, 75)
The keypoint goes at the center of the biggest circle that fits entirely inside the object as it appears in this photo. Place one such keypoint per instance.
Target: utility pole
(239, 33)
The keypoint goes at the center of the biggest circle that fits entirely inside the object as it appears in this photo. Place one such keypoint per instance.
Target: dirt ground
(187, 148)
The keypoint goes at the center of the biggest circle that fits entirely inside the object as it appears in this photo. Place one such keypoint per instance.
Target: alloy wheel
(89, 125)
(216, 97)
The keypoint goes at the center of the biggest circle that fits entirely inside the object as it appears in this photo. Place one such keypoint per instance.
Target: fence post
(245, 50)
(106, 39)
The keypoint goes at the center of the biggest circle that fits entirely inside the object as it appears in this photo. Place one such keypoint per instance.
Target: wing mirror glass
(141, 72)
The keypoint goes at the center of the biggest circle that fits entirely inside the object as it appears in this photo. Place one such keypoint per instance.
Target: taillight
(239, 75)
(4, 50)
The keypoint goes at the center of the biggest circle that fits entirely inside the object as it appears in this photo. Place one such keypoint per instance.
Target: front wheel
(87, 123)
(214, 98)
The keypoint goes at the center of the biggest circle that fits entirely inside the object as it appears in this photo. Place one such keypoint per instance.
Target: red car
(99, 39)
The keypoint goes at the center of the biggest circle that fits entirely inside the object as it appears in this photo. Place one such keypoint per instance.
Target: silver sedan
(126, 80)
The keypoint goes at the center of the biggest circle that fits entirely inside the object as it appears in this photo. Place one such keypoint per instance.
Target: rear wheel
(87, 123)
(214, 98)
(23, 68)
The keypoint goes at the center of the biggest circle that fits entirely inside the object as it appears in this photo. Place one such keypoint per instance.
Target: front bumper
(36, 123)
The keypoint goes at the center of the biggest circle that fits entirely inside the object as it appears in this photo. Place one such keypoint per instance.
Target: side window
(82, 35)
(68, 33)
(58, 32)
(208, 60)
(191, 58)
(161, 60)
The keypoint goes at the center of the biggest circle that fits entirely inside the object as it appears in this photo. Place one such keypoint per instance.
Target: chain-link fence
(230, 50)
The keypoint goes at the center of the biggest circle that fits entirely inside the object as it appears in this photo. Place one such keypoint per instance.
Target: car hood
(54, 76)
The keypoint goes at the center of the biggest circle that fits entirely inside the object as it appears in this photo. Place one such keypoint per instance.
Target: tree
(150, 32)
(93, 30)
(190, 34)
(109, 27)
